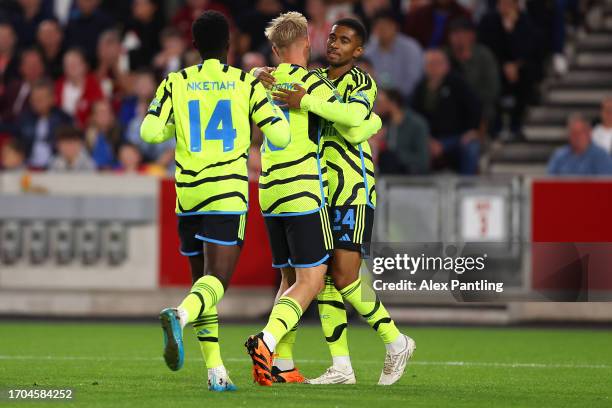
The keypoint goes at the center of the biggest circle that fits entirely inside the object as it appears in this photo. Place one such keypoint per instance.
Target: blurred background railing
(107, 244)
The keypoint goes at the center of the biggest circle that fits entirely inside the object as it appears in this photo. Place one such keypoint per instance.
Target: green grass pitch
(120, 365)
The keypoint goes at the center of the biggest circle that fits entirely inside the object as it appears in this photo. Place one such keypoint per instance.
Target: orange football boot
(287, 376)
(262, 359)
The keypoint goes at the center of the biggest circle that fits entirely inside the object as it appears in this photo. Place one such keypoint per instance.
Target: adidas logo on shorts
(345, 238)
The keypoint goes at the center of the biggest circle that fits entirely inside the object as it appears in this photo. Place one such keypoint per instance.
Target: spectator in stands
(476, 64)
(159, 157)
(132, 113)
(130, 159)
(9, 64)
(71, 153)
(186, 15)
(406, 147)
(86, 25)
(511, 36)
(477, 8)
(429, 24)
(253, 23)
(453, 113)
(397, 59)
(602, 133)
(319, 63)
(143, 86)
(62, 10)
(141, 34)
(580, 157)
(78, 89)
(252, 60)
(14, 101)
(551, 19)
(36, 127)
(103, 136)
(112, 69)
(365, 64)
(367, 10)
(13, 156)
(560, 63)
(26, 22)
(50, 39)
(170, 58)
(318, 27)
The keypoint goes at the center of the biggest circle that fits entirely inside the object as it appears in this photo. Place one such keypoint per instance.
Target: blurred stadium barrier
(107, 244)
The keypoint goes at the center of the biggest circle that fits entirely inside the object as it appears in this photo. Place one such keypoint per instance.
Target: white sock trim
(397, 345)
(219, 371)
(284, 364)
(183, 316)
(343, 363)
(269, 339)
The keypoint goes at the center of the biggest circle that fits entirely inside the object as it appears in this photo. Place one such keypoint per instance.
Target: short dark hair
(170, 32)
(384, 14)
(30, 50)
(394, 96)
(356, 26)
(461, 24)
(210, 33)
(144, 71)
(79, 51)
(68, 132)
(44, 83)
(15, 144)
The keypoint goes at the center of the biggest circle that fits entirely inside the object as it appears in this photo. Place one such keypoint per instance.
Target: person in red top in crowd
(318, 27)
(78, 89)
(112, 70)
(429, 24)
(186, 15)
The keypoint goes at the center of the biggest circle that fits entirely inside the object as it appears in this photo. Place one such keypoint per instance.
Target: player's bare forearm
(290, 99)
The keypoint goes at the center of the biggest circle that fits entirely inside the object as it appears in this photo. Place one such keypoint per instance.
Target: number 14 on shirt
(219, 127)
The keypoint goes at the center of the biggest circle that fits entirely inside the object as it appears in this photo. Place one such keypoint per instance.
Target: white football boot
(395, 363)
(334, 375)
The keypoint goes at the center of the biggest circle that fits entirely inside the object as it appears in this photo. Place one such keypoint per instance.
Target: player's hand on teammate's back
(264, 74)
(290, 98)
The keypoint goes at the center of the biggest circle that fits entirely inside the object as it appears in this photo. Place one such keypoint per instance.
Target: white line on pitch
(424, 363)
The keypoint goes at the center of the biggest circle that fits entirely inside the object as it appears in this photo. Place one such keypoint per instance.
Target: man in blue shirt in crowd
(580, 157)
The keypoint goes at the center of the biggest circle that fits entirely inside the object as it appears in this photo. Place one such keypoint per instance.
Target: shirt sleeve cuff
(306, 102)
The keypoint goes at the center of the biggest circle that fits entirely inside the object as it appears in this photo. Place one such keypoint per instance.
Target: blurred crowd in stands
(589, 151)
(76, 76)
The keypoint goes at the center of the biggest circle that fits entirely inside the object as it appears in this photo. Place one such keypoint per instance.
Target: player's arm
(264, 74)
(347, 114)
(158, 125)
(267, 116)
(319, 98)
(364, 95)
(361, 133)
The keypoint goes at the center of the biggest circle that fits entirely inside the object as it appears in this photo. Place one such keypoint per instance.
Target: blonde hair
(287, 28)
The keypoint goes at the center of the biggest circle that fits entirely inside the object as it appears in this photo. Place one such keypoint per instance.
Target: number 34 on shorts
(351, 226)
